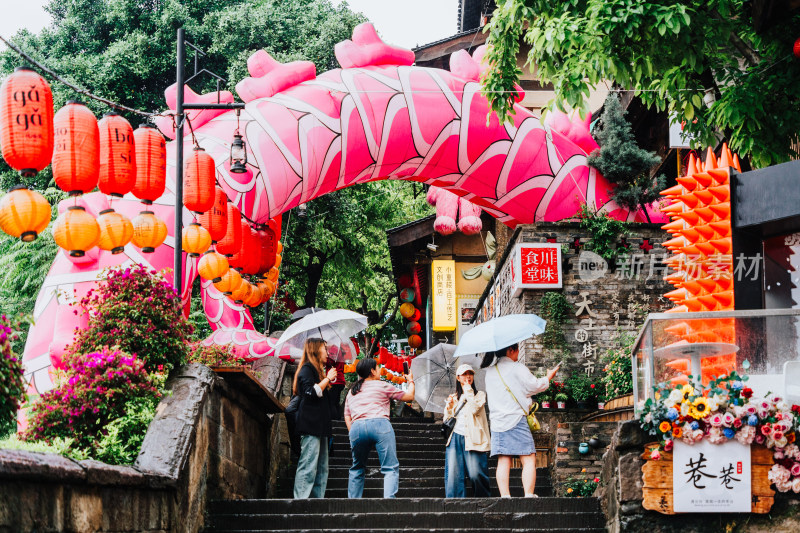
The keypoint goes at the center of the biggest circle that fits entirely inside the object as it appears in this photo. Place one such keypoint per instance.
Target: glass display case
(683, 347)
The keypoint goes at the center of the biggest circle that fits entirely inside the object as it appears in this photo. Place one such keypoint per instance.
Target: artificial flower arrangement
(723, 410)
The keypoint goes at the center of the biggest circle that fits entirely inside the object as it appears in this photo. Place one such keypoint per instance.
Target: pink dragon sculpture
(377, 117)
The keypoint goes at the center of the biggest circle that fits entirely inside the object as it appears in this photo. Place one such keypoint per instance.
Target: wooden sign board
(658, 487)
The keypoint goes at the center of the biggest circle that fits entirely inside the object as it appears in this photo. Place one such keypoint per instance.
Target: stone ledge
(21, 464)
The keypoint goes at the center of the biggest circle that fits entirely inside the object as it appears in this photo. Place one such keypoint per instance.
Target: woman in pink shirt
(366, 413)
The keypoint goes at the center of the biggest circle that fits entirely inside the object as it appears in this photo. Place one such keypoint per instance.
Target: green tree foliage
(672, 54)
(556, 310)
(603, 230)
(621, 160)
(12, 382)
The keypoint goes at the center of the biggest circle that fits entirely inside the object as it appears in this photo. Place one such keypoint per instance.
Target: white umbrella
(334, 326)
(498, 333)
(435, 376)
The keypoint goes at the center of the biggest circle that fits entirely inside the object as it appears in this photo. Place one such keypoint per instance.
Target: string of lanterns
(108, 154)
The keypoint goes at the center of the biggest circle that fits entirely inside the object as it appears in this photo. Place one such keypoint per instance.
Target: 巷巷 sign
(711, 478)
(536, 266)
(445, 311)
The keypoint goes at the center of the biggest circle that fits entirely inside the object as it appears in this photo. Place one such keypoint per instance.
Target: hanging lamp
(26, 121)
(115, 231)
(24, 213)
(198, 181)
(117, 157)
(76, 150)
(76, 231)
(151, 164)
(149, 232)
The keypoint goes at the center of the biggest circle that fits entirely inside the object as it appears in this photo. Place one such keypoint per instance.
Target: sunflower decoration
(687, 391)
(699, 408)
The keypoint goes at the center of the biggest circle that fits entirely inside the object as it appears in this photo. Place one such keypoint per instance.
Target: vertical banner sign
(537, 266)
(711, 478)
(445, 312)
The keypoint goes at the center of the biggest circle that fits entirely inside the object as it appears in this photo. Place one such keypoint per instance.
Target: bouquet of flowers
(723, 410)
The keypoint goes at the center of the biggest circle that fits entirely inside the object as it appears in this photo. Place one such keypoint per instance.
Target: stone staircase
(420, 504)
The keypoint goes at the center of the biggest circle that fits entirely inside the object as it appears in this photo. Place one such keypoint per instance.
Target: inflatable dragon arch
(377, 117)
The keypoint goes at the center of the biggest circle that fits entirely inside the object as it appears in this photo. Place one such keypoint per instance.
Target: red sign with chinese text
(537, 266)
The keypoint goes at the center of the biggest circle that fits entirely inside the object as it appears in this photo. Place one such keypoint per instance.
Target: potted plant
(544, 399)
(581, 389)
(601, 399)
(561, 399)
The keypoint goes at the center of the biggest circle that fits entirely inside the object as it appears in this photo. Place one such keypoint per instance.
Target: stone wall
(621, 497)
(569, 462)
(616, 302)
(210, 439)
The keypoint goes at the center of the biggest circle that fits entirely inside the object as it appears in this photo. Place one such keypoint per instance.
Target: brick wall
(619, 300)
(569, 462)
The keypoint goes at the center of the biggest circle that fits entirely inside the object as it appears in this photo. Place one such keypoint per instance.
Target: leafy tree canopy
(672, 54)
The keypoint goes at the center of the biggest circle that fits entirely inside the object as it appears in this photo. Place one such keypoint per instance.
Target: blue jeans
(456, 461)
(364, 435)
(311, 478)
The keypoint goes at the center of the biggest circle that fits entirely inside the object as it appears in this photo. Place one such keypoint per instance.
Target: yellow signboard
(445, 310)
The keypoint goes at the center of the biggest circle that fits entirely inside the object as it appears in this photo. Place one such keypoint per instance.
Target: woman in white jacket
(509, 387)
(468, 446)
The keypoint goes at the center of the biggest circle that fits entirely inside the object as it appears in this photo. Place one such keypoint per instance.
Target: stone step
(401, 422)
(425, 530)
(376, 481)
(373, 489)
(415, 471)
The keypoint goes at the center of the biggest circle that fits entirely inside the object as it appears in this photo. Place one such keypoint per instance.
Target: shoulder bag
(449, 425)
(530, 415)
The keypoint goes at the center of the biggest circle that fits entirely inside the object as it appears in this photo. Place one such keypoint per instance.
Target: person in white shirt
(509, 387)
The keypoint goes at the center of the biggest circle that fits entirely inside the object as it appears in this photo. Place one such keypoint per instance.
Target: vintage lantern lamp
(149, 231)
(76, 231)
(76, 150)
(238, 161)
(24, 213)
(115, 231)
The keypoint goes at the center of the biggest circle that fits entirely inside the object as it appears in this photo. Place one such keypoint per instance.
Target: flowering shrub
(581, 488)
(137, 311)
(617, 377)
(12, 382)
(122, 438)
(214, 355)
(95, 392)
(724, 410)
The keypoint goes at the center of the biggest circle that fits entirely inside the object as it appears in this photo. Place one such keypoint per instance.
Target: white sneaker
(531, 495)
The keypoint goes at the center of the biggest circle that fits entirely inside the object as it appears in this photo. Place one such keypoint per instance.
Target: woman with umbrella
(313, 422)
(366, 413)
(509, 387)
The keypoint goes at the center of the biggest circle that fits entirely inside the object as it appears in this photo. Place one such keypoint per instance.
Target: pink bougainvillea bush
(214, 355)
(12, 382)
(94, 392)
(139, 312)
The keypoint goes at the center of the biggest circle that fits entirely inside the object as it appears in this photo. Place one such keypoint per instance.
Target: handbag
(530, 414)
(449, 425)
(291, 409)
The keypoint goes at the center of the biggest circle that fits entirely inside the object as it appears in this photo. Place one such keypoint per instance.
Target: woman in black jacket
(313, 419)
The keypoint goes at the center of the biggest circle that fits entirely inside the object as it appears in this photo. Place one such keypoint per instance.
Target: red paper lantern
(26, 121)
(416, 316)
(269, 246)
(275, 225)
(251, 251)
(151, 164)
(230, 244)
(76, 150)
(215, 220)
(405, 281)
(414, 341)
(796, 48)
(199, 176)
(117, 157)
(239, 259)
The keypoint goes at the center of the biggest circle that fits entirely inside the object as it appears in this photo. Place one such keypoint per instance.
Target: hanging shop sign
(445, 312)
(536, 266)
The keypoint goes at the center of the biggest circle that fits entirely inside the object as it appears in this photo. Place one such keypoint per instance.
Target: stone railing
(210, 439)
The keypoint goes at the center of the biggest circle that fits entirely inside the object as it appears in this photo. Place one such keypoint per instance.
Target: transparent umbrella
(334, 326)
(435, 375)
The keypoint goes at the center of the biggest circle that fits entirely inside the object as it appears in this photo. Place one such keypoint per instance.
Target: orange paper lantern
(76, 231)
(212, 266)
(230, 244)
(26, 121)
(198, 181)
(24, 213)
(151, 164)
(242, 292)
(215, 220)
(414, 341)
(115, 231)
(230, 282)
(406, 310)
(117, 157)
(76, 151)
(149, 232)
(273, 275)
(195, 239)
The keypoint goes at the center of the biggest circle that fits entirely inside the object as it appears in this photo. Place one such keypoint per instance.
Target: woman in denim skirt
(509, 387)
(467, 449)
(366, 413)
